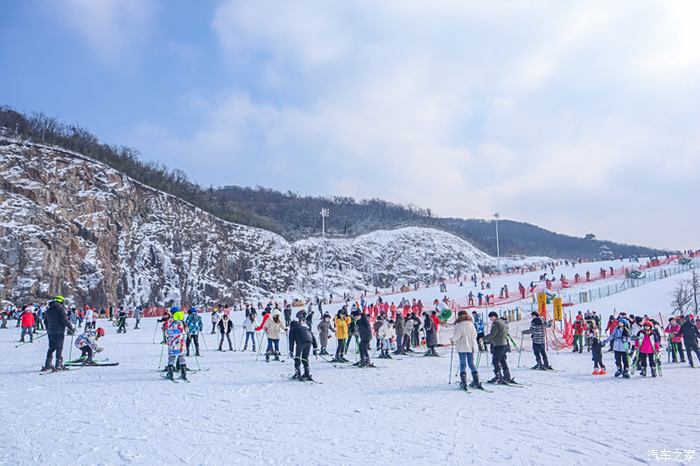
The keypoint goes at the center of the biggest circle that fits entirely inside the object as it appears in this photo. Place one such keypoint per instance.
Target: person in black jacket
(56, 322)
(690, 336)
(121, 320)
(365, 330)
(300, 341)
(225, 327)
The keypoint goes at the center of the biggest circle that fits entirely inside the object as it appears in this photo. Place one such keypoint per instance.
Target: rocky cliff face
(74, 226)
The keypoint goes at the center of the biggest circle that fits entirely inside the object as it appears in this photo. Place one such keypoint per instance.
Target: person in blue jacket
(194, 328)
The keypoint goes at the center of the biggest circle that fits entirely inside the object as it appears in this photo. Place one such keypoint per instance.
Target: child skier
(176, 343)
(648, 346)
(87, 344)
(597, 350)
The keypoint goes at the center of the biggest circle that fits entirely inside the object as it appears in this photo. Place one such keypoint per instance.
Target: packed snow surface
(243, 411)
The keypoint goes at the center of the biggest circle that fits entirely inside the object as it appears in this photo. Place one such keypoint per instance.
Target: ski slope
(243, 411)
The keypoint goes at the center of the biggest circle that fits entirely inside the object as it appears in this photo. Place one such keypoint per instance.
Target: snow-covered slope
(72, 225)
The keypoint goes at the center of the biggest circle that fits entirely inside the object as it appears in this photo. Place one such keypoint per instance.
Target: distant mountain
(297, 217)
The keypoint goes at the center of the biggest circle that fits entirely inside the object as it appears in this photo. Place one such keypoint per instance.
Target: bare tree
(682, 297)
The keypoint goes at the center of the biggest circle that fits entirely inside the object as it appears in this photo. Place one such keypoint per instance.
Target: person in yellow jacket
(342, 321)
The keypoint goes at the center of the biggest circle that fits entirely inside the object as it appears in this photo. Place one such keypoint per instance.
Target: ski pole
(452, 353)
(30, 341)
(70, 350)
(196, 359)
(240, 347)
(233, 331)
(520, 353)
(161, 356)
(155, 329)
(328, 361)
(259, 347)
(204, 340)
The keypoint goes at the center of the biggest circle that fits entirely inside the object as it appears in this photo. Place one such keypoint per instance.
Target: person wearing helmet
(194, 327)
(56, 322)
(176, 343)
(301, 339)
(648, 345)
(87, 344)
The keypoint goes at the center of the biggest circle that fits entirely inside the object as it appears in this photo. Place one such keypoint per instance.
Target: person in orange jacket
(579, 331)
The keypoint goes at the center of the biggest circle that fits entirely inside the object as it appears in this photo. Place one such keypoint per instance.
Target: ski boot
(387, 355)
(548, 368)
(595, 371)
(475, 381)
(297, 374)
(267, 356)
(170, 372)
(626, 375)
(306, 376)
(463, 381)
(183, 372)
(277, 356)
(653, 371)
(643, 372)
(536, 367)
(602, 372)
(618, 372)
(60, 366)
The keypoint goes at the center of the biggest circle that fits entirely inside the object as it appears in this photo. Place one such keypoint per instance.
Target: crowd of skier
(399, 330)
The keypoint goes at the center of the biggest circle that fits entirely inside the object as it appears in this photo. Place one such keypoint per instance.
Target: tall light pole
(496, 216)
(324, 213)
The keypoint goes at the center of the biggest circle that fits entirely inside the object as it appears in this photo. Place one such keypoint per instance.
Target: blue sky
(576, 116)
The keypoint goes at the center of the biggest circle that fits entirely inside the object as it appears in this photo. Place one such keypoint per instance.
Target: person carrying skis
(498, 337)
(249, 325)
(176, 344)
(673, 332)
(648, 345)
(194, 328)
(466, 344)
(225, 328)
(690, 334)
(324, 328)
(537, 330)
(56, 322)
(121, 320)
(27, 320)
(300, 341)
(87, 344)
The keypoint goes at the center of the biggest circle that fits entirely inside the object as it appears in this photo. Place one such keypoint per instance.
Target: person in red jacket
(612, 325)
(27, 321)
(436, 320)
(579, 331)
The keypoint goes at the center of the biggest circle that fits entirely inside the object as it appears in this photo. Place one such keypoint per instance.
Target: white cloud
(109, 27)
(536, 109)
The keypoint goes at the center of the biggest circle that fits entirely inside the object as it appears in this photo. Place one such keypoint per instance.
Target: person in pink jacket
(648, 345)
(673, 331)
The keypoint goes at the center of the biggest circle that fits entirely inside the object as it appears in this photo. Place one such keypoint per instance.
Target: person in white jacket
(385, 334)
(89, 318)
(464, 339)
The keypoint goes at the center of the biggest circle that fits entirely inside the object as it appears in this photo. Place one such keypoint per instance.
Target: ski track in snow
(242, 412)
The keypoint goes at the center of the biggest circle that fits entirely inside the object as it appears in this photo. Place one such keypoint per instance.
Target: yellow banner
(558, 312)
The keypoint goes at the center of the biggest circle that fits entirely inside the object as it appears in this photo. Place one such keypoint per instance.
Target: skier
(365, 331)
(466, 344)
(214, 320)
(672, 331)
(138, 312)
(27, 320)
(342, 322)
(537, 330)
(56, 322)
(225, 328)
(430, 335)
(597, 355)
(87, 344)
(648, 344)
(176, 344)
(194, 327)
(690, 334)
(121, 320)
(579, 330)
(385, 334)
(478, 323)
(498, 337)
(301, 339)
(324, 328)
(274, 327)
(249, 325)
(620, 341)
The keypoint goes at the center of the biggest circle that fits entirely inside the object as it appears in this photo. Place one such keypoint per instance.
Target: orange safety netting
(562, 339)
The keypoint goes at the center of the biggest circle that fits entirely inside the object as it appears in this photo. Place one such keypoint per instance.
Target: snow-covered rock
(72, 225)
